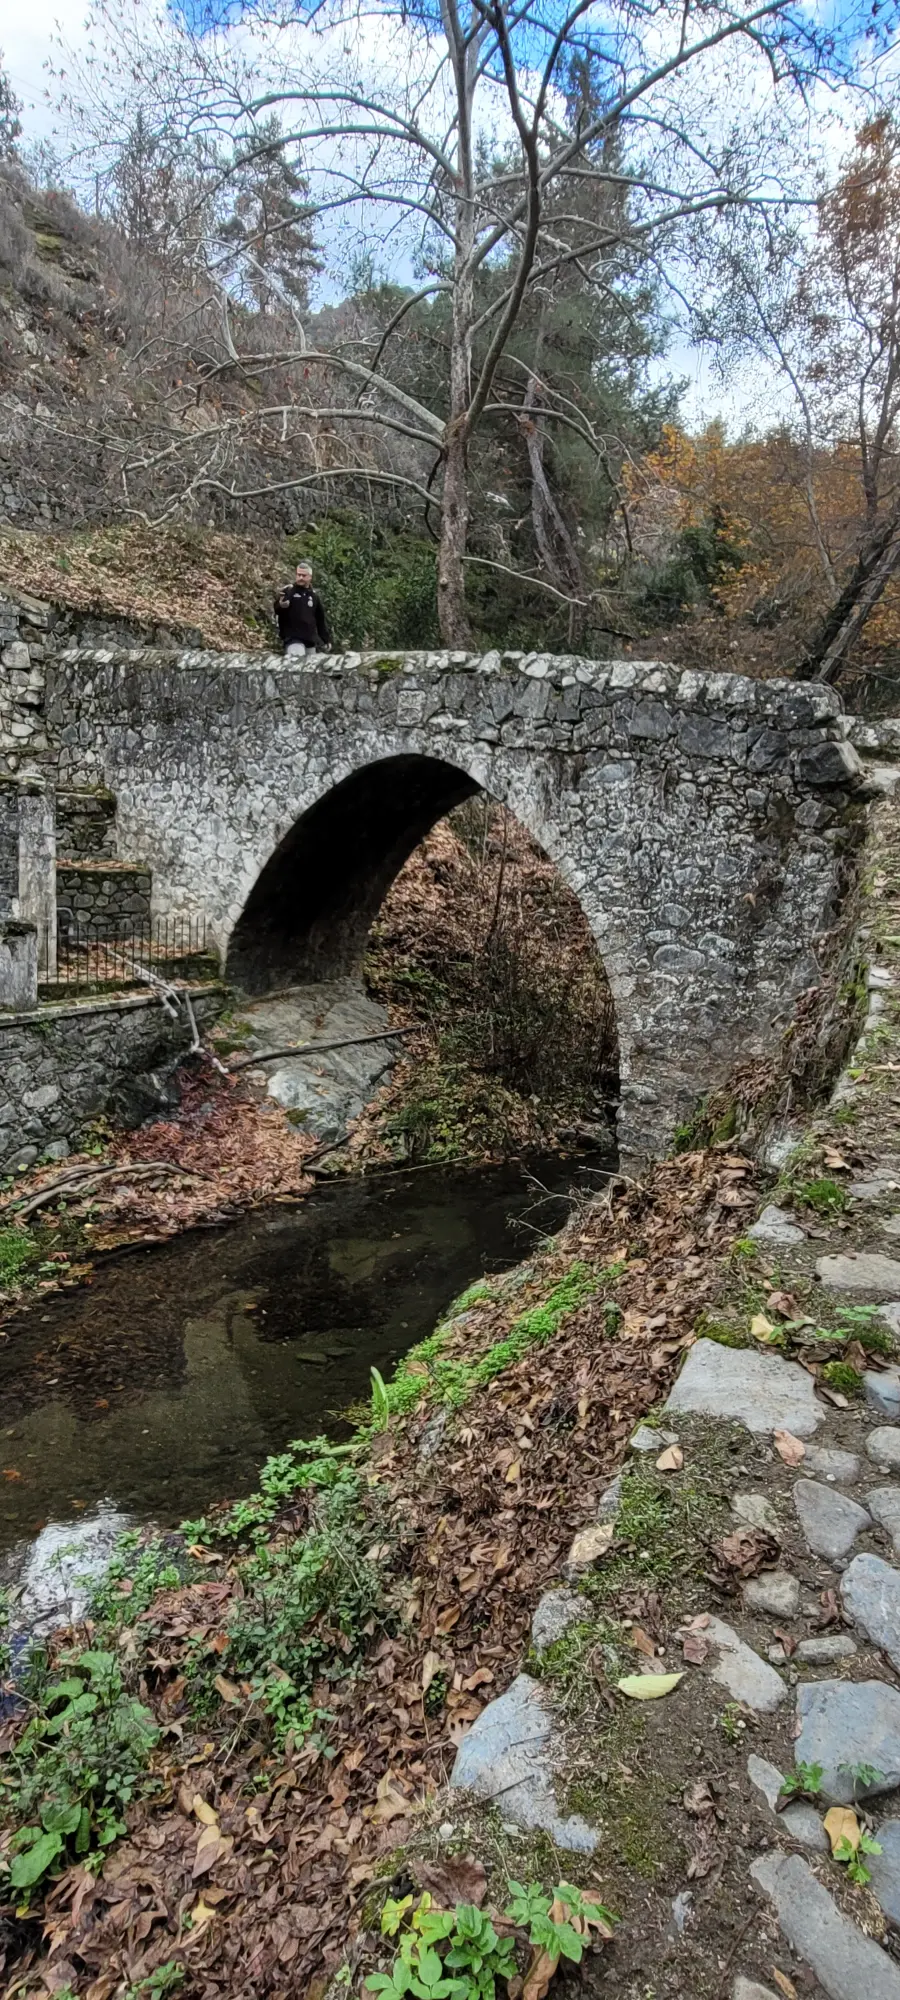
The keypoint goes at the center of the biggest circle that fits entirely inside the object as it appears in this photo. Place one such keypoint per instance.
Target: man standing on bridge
(300, 612)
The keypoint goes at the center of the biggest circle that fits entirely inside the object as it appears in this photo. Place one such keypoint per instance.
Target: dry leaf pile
(219, 1153)
(271, 1854)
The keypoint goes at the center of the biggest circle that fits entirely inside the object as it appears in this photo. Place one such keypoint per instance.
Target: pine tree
(268, 232)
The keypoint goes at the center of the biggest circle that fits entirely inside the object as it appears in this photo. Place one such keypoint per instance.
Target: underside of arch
(308, 916)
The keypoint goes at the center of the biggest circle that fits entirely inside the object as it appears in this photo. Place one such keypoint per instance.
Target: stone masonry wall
(61, 1066)
(106, 896)
(85, 826)
(707, 823)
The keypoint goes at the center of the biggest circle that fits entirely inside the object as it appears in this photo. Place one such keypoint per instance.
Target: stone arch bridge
(706, 822)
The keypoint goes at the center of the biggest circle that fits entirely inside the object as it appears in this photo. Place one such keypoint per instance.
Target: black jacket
(301, 617)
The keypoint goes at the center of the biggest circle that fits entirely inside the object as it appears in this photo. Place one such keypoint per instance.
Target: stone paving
(840, 1686)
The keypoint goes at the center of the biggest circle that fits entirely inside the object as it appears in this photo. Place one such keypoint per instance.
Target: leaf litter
(274, 1883)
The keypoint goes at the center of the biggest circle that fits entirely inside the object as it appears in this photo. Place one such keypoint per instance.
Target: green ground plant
(804, 1781)
(841, 1376)
(18, 1253)
(824, 1196)
(79, 1762)
(459, 1955)
(428, 1372)
(303, 1608)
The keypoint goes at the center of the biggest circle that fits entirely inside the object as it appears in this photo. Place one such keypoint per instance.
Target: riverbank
(315, 1660)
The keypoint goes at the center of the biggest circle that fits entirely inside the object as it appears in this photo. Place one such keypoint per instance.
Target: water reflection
(165, 1384)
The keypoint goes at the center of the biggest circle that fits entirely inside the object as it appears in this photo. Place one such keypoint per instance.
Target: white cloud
(26, 37)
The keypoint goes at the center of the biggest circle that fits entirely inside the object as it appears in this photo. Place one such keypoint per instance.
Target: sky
(751, 397)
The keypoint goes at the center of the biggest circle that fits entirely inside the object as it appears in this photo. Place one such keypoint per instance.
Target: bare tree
(10, 121)
(823, 304)
(447, 136)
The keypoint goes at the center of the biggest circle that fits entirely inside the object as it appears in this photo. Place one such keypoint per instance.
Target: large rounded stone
(870, 1592)
(829, 1520)
(510, 1755)
(883, 1447)
(848, 1725)
(847, 1965)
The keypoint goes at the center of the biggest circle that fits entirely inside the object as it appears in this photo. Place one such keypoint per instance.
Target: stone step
(847, 1965)
(759, 1390)
(510, 1756)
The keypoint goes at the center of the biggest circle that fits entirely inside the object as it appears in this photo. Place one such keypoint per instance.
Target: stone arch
(308, 915)
(310, 910)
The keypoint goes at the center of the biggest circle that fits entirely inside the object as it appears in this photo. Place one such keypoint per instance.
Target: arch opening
(309, 913)
(411, 881)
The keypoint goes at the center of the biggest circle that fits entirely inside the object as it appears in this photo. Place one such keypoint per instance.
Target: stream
(164, 1384)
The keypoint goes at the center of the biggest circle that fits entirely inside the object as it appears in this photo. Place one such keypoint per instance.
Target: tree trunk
(875, 566)
(553, 541)
(453, 617)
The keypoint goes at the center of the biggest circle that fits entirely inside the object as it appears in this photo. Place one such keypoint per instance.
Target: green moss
(572, 1662)
(823, 1196)
(474, 1295)
(725, 1336)
(634, 1817)
(665, 1522)
(383, 667)
(455, 1381)
(427, 1372)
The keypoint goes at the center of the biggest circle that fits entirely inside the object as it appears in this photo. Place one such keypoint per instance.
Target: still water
(163, 1385)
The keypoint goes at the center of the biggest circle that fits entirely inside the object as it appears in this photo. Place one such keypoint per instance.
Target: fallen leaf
(648, 1687)
(212, 1846)
(784, 1984)
(762, 1329)
(590, 1545)
(643, 1641)
(390, 1801)
(788, 1447)
(698, 1798)
(451, 1882)
(830, 1613)
(228, 1691)
(204, 1812)
(513, 1471)
(200, 1915)
(834, 1159)
(834, 1396)
(746, 1551)
(541, 1968)
(670, 1460)
(430, 1666)
(783, 1303)
(840, 1824)
(695, 1648)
